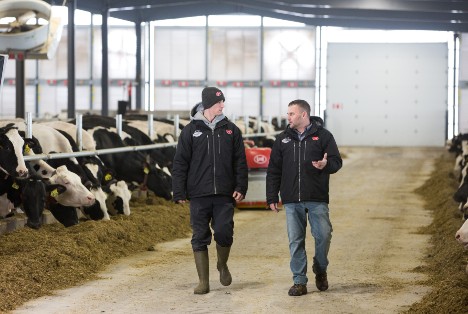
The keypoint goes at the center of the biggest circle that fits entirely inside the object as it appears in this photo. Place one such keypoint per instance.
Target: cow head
(461, 195)
(120, 196)
(462, 235)
(160, 183)
(98, 210)
(34, 192)
(66, 215)
(94, 211)
(11, 152)
(76, 193)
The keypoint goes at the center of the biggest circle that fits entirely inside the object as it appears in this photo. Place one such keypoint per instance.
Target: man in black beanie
(211, 96)
(210, 170)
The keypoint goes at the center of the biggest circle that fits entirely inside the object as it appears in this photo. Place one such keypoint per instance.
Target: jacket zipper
(214, 161)
(299, 161)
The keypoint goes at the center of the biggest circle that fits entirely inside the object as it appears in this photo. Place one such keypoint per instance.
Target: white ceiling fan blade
(23, 18)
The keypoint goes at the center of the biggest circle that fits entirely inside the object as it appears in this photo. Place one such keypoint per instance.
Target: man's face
(217, 108)
(296, 117)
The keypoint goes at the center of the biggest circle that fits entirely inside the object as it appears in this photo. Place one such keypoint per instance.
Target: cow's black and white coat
(131, 167)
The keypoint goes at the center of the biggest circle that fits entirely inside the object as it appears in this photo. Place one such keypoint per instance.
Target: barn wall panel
(463, 83)
(241, 101)
(276, 100)
(176, 98)
(387, 94)
(179, 54)
(234, 54)
(463, 111)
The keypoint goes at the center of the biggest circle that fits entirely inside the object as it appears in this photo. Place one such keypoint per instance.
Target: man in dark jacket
(210, 170)
(302, 159)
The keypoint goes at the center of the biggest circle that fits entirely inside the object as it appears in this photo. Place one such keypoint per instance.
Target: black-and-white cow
(118, 195)
(459, 145)
(11, 151)
(73, 194)
(17, 185)
(32, 193)
(162, 133)
(135, 166)
(461, 195)
(462, 235)
(52, 140)
(252, 127)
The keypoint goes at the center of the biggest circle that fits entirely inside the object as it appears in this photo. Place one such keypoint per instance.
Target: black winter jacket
(290, 170)
(209, 162)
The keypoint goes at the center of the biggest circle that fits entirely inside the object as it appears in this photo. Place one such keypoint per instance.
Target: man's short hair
(304, 105)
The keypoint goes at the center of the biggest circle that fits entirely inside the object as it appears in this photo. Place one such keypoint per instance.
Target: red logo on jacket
(315, 138)
(229, 132)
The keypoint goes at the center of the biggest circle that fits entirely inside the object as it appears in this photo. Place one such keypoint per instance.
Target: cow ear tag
(146, 170)
(27, 150)
(15, 186)
(108, 177)
(54, 193)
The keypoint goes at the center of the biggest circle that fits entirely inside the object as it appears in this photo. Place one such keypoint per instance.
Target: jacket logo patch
(229, 132)
(197, 133)
(286, 140)
(315, 138)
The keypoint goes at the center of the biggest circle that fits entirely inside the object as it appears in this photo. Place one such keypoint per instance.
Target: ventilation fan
(17, 34)
(19, 24)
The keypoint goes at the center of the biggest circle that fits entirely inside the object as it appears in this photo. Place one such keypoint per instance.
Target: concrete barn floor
(375, 247)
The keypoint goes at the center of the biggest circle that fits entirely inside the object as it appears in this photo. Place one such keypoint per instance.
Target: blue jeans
(321, 229)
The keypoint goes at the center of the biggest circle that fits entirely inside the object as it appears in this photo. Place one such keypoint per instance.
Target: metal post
(105, 63)
(455, 91)
(91, 64)
(20, 86)
(71, 84)
(262, 58)
(79, 131)
(118, 124)
(28, 123)
(176, 126)
(138, 80)
(246, 123)
(150, 125)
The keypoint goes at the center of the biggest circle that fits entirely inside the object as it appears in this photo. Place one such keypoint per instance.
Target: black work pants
(217, 209)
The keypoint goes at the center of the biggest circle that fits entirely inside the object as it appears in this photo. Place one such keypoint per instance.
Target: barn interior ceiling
(442, 15)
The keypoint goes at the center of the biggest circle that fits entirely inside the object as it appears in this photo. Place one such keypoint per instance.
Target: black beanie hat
(210, 96)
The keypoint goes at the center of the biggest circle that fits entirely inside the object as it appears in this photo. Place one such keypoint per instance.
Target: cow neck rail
(98, 152)
(118, 149)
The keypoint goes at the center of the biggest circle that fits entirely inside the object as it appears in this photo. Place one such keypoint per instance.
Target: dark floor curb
(18, 221)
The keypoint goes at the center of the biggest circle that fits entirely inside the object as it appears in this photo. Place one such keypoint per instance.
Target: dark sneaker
(297, 290)
(321, 281)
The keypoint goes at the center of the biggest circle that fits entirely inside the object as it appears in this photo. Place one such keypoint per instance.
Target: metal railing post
(150, 125)
(79, 131)
(118, 124)
(246, 123)
(28, 123)
(176, 126)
